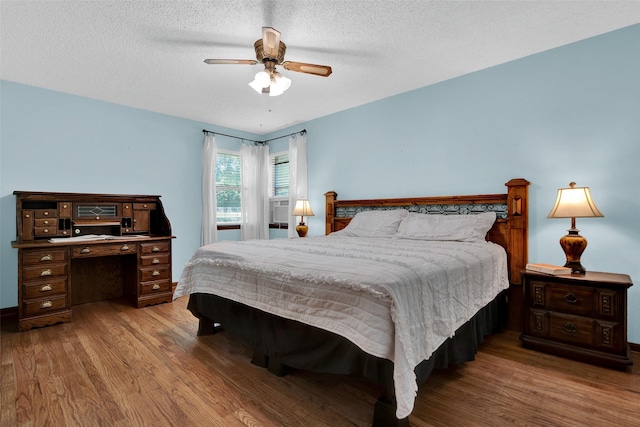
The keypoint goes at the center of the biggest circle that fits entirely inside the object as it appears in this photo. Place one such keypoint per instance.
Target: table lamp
(574, 202)
(302, 209)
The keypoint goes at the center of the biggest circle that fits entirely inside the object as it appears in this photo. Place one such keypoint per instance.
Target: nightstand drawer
(571, 329)
(568, 299)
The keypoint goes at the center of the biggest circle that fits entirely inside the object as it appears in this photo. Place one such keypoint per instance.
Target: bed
(395, 289)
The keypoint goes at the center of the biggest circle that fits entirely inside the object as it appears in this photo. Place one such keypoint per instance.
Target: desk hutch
(75, 248)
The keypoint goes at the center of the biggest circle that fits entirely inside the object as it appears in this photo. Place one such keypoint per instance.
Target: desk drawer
(45, 231)
(46, 222)
(42, 289)
(44, 271)
(147, 288)
(87, 251)
(46, 213)
(39, 257)
(143, 206)
(159, 272)
(43, 306)
(154, 248)
(151, 260)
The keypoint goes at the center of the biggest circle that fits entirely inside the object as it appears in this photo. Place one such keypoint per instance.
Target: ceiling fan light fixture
(279, 84)
(262, 80)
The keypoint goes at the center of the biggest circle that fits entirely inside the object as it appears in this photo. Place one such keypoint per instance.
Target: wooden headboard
(510, 229)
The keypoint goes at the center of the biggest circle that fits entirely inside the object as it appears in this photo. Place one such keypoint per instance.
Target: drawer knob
(27, 216)
(46, 272)
(571, 298)
(85, 250)
(155, 273)
(45, 288)
(46, 230)
(46, 304)
(46, 222)
(46, 213)
(155, 249)
(124, 247)
(155, 287)
(155, 261)
(46, 257)
(570, 327)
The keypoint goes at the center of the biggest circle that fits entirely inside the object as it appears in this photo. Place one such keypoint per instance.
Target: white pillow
(383, 223)
(465, 228)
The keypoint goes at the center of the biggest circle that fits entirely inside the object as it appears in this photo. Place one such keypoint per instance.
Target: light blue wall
(52, 141)
(569, 114)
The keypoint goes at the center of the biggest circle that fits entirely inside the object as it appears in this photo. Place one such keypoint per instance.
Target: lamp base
(573, 245)
(302, 229)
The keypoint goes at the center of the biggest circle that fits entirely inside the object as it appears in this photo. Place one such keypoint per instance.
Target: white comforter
(397, 299)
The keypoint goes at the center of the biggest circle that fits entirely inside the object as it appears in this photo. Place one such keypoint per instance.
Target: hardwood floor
(115, 365)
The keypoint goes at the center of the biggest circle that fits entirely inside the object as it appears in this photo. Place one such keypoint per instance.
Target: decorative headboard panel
(510, 229)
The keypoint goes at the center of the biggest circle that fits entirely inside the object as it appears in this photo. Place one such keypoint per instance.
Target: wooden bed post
(517, 208)
(330, 197)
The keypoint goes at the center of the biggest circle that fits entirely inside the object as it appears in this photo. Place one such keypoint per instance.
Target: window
(279, 174)
(228, 181)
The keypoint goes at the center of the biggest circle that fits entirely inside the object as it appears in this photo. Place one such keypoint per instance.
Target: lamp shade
(261, 81)
(574, 202)
(302, 208)
(279, 84)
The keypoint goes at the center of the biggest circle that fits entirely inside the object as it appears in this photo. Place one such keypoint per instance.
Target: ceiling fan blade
(302, 67)
(231, 61)
(270, 42)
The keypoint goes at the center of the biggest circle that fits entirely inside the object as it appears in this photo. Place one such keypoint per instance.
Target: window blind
(280, 175)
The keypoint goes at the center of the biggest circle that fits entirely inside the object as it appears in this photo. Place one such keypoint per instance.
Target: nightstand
(583, 317)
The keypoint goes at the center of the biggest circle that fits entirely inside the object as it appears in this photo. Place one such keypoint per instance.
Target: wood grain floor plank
(115, 365)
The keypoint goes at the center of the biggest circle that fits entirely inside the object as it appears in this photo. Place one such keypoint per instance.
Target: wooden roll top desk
(75, 248)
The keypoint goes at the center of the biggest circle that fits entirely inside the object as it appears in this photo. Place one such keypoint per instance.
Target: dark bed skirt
(300, 346)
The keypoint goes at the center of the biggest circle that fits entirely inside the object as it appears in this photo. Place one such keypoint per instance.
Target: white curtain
(255, 192)
(209, 205)
(297, 176)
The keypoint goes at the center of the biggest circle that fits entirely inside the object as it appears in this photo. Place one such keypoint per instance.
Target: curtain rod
(301, 132)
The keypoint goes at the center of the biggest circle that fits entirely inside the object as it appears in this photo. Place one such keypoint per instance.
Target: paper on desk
(92, 237)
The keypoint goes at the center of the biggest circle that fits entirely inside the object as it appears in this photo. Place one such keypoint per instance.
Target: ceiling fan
(270, 52)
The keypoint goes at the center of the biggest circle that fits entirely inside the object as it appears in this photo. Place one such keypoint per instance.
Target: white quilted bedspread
(397, 299)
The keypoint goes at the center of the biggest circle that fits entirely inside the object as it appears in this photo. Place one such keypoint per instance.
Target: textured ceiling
(149, 54)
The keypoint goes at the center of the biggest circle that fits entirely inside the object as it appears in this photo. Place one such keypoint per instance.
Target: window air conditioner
(280, 211)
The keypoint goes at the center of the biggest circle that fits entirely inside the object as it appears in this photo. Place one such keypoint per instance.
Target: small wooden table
(583, 317)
